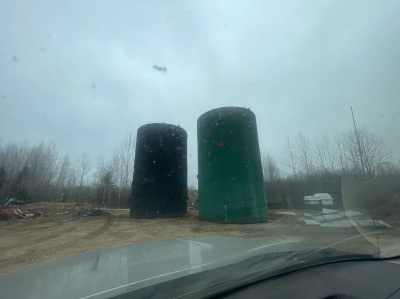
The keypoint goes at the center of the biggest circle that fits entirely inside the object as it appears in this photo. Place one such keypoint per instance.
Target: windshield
(123, 122)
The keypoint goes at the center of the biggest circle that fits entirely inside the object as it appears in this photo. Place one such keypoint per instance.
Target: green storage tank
(231, 185)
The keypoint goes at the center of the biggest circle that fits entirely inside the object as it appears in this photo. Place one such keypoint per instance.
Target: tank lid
(226, 109)
(154, 126)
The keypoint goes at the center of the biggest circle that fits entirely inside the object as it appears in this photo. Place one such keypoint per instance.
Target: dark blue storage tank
(159, 187)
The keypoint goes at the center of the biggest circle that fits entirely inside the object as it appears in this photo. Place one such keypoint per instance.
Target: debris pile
(92, 212)
(335, 218)
(3, 213)
(14, 212)
(13, 202)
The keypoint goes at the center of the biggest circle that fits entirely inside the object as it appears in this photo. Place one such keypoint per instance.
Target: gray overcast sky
(299, 65)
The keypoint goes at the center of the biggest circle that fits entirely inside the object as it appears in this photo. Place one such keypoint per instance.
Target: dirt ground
(60, 232)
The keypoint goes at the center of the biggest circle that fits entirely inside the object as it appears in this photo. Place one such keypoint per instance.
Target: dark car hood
(117, 270)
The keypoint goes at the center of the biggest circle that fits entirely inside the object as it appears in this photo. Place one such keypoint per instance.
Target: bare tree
(305, 154)
(84, 168)
(118, 173)
(64, 167)
(101, 170)
(389, 168)
(127, 157)
(270, 168)
(366, 151)
(52, 177)
(105, 177)
(326, 155)
(341, 155)
(49, 169)
(35, 161)
(110, 180)
(12, 157)
(290, 157)
(71, 182)
(38, 171)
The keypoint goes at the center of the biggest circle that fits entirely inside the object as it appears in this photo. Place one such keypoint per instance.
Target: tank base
(233, 214)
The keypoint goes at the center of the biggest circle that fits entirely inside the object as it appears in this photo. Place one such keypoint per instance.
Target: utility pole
(358, 141)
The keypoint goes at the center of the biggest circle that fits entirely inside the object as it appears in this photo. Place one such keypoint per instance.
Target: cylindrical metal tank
(231, 185)
(159, 187)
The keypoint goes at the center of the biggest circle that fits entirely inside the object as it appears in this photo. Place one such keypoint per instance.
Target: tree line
(358, 152)
(42, 173)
